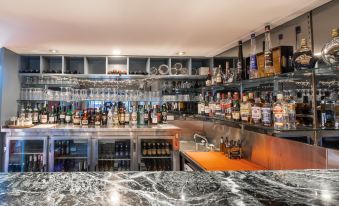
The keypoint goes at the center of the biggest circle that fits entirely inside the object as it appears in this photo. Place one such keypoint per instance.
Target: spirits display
(253, 59)
(303, 57)
(268, 58)
(330, 52)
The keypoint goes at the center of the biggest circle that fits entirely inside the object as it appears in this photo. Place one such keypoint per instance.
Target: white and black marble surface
(300, 187)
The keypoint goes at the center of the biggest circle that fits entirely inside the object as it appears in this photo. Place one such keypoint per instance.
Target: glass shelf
(257, 126)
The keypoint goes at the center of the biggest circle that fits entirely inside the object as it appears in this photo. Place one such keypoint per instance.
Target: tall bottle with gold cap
(330, 52)
(303, 58)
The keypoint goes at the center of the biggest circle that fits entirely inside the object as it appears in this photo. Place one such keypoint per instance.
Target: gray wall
(10, 84)
(325, 18)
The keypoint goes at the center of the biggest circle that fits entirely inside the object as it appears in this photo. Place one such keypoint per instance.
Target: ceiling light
(181, 53)
(116, 52)
(53, 51)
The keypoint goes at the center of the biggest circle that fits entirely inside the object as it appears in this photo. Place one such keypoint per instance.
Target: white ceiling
(139, 27)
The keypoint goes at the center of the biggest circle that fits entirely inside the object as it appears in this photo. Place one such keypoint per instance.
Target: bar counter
(302, 187)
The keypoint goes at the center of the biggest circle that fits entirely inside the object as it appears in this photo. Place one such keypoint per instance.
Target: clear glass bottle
(115, 116)
(51, 117)
(303, 58)
(279, 113)
(330, 52)
(292, 121)
(268, 58)
(327, 109)
(253, 58)
(218, 106)
(109, 118)
(209, 79)
(84, 119)
(35, 118)
(134, 117)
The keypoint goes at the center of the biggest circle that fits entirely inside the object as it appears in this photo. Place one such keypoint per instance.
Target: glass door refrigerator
(113, 153)
(157, 153)
(69, 154)
(26, 154)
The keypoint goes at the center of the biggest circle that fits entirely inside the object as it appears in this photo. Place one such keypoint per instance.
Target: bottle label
(218, 79)
(126, 117)
(154, 120)
(145, 116)
(253, 62)
(68, 118)
(268, 59)
(208, 83)
(256, 113)
(76, 120)
(97, 123)
(164, 116)
(217, 107)
(201, 108)
(51, 119)
(35, 117)
(207, 109)
(62, 116)
(236, 115)
(134, 117)
(278, 115)
(84, 122)
(266, 115)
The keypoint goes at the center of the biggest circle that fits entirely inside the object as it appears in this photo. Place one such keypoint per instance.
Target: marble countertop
(299, 187)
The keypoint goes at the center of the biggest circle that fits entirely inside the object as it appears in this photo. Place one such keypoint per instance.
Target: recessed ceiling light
(116, 52)
(181, 53)
(53, 51)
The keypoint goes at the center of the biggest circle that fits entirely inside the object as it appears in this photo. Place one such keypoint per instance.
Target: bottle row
(273, 61)
(156, 149)
(232, 149)
(113, 165)
(155, 165)
(70, 165)
(280, 111)
(30, 163)
(117, 150)
(107, 115)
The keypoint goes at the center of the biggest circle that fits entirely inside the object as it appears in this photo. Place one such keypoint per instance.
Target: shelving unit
(74, 65)
(52, 64)
(95, 65)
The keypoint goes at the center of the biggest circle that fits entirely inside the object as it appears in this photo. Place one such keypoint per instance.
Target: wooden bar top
(217, 161)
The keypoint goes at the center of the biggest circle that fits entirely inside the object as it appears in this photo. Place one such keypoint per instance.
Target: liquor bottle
(214, 75)
(218, 76)
(245, 109)
(97, 120)
(201, 106)
(228, 73)
(122, 115)
(327, 109)
(44, 115)
(266, 112)
(51, 117)
(103, 117)
(228, 106)
(222, 145)
(85, 118)
(336, 109)
(146, 120)
(268, 58)
(211, 106)
(330, 52)
(159, 114)
(253, 59)
(91, 117)
(110, 118)
(209, 79)
(235, 107)
(127, 116)
(115, 116)
(35, 116)
(303, 58)
(76, 118)
(241, 72)
(62, 115)
(140, 117)
(279, 113)
(218, 106)
(134, 117)
(291, 113)
(256, 110)
(154, 115)
(164, 114)
(29, 115)
(68, 118)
